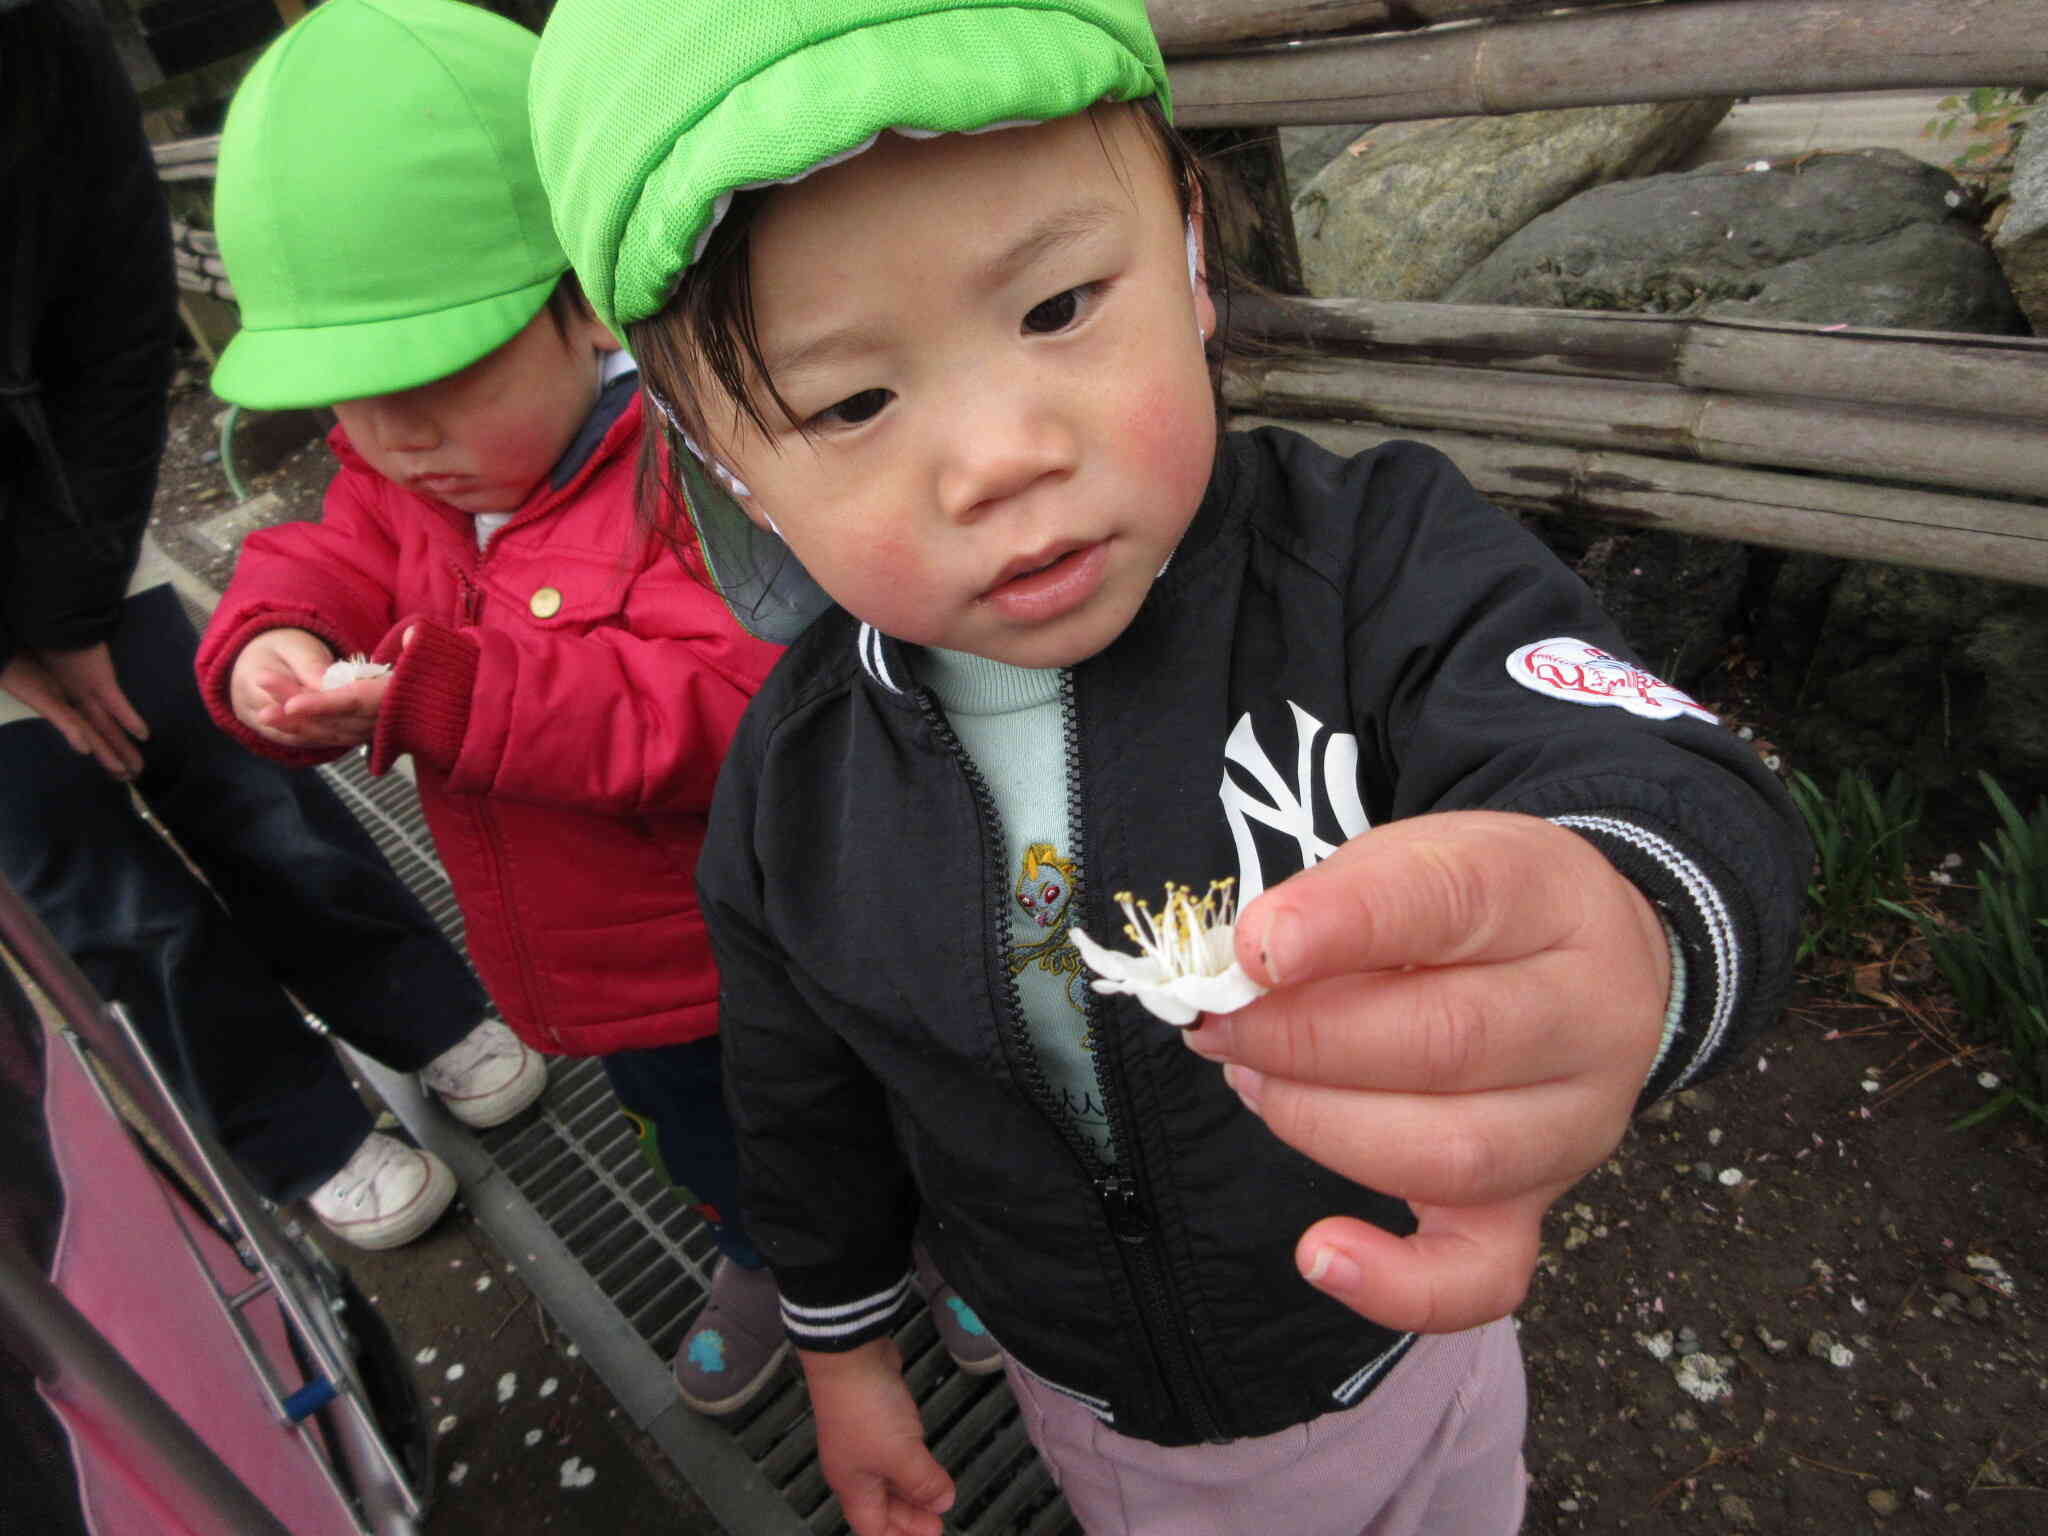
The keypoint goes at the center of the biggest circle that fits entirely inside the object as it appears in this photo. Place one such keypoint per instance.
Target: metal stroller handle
(371, 1481)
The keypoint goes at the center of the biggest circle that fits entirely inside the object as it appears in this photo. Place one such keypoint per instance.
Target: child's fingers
(1457, 1029)
(1452, 888)
(907, 1499)
(1459, 1269)
(1447, 1149)
(359, 700)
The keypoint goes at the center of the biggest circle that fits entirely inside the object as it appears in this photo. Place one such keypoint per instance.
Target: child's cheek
(1169, 431)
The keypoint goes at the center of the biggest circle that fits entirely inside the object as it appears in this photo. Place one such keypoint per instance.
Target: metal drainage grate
(627, 1264)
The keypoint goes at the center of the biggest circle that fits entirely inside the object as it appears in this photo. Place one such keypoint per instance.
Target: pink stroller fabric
(123, 1261)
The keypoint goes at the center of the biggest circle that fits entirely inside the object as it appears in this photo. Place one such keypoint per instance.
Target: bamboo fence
(1926, 449)
(1502, 57)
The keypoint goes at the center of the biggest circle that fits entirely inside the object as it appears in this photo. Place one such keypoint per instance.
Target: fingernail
(1210, 1039)
(1245, 1083)
(1330, 1270)
(1281, 948)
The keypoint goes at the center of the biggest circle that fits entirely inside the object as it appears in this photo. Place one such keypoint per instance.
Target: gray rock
(1304, 151)
(1408, 216)
(1887, 667)
(2021, 243)
(1868, 237)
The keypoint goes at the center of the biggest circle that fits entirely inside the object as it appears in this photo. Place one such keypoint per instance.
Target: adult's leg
(308, 886)
(148, 935)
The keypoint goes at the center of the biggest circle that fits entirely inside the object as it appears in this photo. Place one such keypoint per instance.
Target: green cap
(648, 114)
(377, 203)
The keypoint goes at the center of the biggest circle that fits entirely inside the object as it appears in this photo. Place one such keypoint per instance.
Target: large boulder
(1866, 237)
(1881, 666)
(1408, 214)
(2021, 243)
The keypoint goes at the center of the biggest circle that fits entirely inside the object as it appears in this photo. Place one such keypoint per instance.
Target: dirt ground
(1794, 1301)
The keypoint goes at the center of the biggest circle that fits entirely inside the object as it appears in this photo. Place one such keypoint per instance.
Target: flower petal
(1131, 970)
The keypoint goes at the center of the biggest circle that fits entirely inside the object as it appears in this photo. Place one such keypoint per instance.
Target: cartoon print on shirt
(1292, 811)
(1044, 892)
(1046, 885)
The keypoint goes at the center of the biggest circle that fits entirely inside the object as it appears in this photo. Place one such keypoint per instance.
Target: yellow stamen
(1173, 939)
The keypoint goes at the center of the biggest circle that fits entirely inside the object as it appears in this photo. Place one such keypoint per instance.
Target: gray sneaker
(965, 1336)
(735, 1346)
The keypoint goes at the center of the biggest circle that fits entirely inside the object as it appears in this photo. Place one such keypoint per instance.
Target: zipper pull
(1127, 1218)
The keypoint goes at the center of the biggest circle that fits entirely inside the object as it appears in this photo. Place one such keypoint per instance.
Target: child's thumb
(920, 1480)
(1461, 1267)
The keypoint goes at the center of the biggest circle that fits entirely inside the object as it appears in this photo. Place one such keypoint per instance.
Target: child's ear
(594, 331)
(1198, 273)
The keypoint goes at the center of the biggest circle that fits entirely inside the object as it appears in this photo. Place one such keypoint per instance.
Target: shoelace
(353, 1183)
(478, 1048)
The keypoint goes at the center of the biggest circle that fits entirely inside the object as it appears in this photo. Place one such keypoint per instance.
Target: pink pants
(1437, 1448)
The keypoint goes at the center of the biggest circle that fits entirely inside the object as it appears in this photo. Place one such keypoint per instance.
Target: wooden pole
(1995, 540)
(1916, 446)
(2000, 376)
(1198, 26)
(1638, 53)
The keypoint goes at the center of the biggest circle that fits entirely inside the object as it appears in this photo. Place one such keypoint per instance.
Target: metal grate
(637, 1252)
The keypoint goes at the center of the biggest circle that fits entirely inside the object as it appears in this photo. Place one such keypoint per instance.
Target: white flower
(1187, 965)
(352, 670)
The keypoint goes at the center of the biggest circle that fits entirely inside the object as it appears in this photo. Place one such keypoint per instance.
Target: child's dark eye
(1059, 311)
(853, 410)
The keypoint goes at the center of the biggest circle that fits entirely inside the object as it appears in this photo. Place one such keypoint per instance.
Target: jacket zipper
(471, 607)
(1120, 1195)
(472, 597)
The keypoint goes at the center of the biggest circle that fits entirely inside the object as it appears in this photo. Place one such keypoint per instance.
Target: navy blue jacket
(1335, 643)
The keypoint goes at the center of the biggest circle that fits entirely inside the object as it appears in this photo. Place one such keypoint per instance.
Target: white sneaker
(387, 1194)
(487, 1076)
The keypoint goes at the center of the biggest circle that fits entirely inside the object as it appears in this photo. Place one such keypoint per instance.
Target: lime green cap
(648, 114)
(378, 207)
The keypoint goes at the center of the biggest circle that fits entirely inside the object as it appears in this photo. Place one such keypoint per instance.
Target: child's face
(480, 439)
(992, 340)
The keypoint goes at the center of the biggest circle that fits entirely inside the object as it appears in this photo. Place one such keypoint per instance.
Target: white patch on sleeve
(1582, 673)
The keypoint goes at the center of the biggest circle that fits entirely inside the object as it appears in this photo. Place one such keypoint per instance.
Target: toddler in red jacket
(478, 593)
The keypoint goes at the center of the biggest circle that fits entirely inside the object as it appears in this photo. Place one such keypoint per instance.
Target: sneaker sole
(427, 1207)
(978, 1365)
(720, 1407)
(493, 1109)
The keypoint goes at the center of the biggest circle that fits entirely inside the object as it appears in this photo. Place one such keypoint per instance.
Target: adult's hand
(102, 724)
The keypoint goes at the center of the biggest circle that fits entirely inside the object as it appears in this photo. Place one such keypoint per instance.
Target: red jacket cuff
(215, 666)
(426, 707)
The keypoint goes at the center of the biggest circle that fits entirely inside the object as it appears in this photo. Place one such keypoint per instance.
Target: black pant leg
(309, 887)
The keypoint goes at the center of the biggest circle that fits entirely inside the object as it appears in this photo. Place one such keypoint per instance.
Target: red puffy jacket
(567, 698)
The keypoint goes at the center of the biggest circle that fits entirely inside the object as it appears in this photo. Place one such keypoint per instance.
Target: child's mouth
(1053, 587)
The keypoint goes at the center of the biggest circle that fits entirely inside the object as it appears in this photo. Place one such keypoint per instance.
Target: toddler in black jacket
(919, 293)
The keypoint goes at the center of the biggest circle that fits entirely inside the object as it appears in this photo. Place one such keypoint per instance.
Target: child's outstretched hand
(871, 1443)
(275, 690)
(1465, 1009)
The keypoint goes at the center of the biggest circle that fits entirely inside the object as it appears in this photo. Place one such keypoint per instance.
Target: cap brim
(765, 586)
(275, 370)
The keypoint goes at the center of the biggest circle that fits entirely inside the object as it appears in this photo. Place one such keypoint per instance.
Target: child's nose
(402, 427)
(1013, 441)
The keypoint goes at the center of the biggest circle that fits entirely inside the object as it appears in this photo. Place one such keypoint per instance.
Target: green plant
(1997, 965)
(1859, 846)
(1992, 120)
